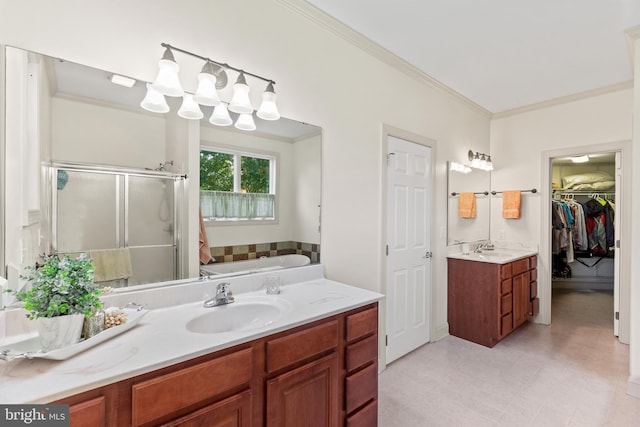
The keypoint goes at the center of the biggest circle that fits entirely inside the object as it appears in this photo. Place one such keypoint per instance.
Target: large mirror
(462, 229)
(88, 170)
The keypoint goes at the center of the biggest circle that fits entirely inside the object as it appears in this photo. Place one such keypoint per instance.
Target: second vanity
(491, 293)
(316, 363)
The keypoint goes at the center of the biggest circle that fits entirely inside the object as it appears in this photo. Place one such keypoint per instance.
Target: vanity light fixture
(457, 167)
(480, 160)
(580, 159)
(211, 78)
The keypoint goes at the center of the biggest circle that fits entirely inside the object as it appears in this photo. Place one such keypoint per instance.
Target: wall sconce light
(480, 160)
(212, 77)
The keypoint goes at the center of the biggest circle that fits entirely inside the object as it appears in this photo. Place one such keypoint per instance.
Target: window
(236, 186)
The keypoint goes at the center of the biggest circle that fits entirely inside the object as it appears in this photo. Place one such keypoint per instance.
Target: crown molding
(346, 33)
(565, 99)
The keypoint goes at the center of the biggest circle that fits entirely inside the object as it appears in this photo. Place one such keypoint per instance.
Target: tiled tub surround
(257, 250)
(161, 339)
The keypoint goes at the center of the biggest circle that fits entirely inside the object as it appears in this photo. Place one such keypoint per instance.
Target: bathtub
(254, 265)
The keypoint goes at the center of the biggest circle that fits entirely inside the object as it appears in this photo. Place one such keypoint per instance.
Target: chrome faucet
(486, 246)
(223, 296)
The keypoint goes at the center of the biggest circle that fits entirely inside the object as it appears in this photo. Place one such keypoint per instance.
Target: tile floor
(571, 373)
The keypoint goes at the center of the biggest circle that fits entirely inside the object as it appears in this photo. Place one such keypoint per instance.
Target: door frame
(386, 132)
(544, 267)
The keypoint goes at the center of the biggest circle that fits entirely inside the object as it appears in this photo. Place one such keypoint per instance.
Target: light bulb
(206, 92)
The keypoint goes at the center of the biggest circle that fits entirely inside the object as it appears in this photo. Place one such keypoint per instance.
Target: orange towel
(511, 204)
(205, 251)
(467, 205)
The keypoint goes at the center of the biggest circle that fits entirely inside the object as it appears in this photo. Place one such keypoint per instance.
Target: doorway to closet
(585, 233)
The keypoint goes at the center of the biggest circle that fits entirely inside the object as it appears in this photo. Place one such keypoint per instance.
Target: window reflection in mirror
(467, 229)
(82, 117)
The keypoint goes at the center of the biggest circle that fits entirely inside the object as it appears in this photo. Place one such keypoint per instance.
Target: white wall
(307, 175)
(321, 79)
(97, 134)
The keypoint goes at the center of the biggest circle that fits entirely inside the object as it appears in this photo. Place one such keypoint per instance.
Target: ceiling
(502, 54)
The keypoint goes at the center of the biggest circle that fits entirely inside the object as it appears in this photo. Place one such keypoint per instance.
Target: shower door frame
(125, 173)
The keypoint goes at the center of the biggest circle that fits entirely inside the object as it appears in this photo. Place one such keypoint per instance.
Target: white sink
(242, 315)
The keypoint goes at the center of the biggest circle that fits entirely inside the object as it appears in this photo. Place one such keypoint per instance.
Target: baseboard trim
(440, 332)
(633, 386)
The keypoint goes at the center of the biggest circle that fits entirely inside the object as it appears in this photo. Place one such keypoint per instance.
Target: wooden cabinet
(487, 301)
(306, 396)
(320, 374)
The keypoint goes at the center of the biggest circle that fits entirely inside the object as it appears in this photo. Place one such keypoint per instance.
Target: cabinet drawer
(505, 271)
(361, 353)
(505, 287)
(533, 261)
(520, 266)
(506, 304)
(365, 417)
(533, 290)
(361, 324)
(506, 324)
(163, 395)
(533, 275)
(285, 351)
(361, 387)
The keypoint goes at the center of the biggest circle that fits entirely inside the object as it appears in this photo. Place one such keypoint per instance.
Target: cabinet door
(307, 396)
(234, 411)
(521, 298)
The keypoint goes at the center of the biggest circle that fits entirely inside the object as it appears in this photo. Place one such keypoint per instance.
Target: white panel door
(409, 194)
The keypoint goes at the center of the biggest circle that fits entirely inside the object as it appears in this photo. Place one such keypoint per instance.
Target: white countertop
(502, 253)
(499, 256)
(162, 339)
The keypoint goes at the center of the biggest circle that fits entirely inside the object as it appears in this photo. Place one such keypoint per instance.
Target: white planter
(60, 331)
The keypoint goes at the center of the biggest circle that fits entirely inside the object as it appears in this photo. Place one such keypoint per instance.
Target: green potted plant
(61, 294)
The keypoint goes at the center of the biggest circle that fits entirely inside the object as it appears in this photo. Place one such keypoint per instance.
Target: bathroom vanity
(313, 364)
(491, 294)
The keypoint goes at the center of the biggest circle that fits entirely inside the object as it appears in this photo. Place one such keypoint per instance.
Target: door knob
(428, 254)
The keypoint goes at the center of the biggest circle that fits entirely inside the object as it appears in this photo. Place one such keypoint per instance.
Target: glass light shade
(489, 163)
(167, 81)
(154, 101)
(206, 92)
(475, 163)
(245, 122)
(268, 109)
(220, 116)
(240, 102)
(189, 108)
